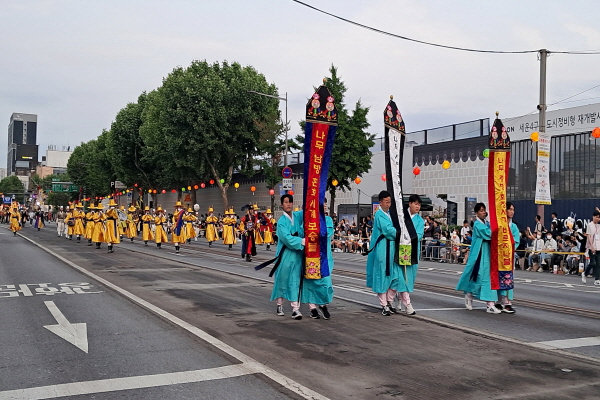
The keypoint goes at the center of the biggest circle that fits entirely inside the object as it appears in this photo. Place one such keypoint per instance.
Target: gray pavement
(358, 353)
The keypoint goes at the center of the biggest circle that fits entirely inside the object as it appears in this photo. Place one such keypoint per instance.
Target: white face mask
(539, 236)
(548, 237)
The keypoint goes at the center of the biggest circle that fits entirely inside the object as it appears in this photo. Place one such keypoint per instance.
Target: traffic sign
(286, 172)
(286, 184)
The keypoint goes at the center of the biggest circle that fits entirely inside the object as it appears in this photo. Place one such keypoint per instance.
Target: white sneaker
(468, 303)
(410, 310)
(493, 310)
(597, 282)
(583, 278)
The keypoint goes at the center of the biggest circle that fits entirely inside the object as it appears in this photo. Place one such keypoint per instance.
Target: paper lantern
(446, 164)
(149, 190)
(173, 191)
(486, 153)
(183, 189)
(212, 181)
(236, 185)
(154, 191)
(596, 133)
(222, 181)
(357, 180)
(135, 184)
(203, 185)
(334, 182)
(271, 192)
(534, 136)
(290, 192)
(163, 191)
(189, 188)
(416, 170)
(253, 188)
(383, 177)
(196, 187)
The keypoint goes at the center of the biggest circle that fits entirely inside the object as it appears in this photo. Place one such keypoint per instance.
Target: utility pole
(543, 54)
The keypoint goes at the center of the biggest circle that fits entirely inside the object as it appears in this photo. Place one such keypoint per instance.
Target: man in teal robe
(408, 273)
(382, 271)
(290, 246)
(506, 296)
(475, 280)
(319, 292)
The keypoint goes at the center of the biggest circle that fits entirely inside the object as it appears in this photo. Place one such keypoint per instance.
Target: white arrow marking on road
(75, 334)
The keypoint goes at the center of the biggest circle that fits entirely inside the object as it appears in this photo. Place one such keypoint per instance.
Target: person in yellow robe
(178, 226)
(78, 216)
(190, 219)
(160, 221)
(70, 223)
(15, 218)
(266, 227)
(111, 231)
(89, 223)
(229, 225)
(258, 217)
(211, 234)
(131, 223)
(147, 221)
(98, 235)
(121, 224)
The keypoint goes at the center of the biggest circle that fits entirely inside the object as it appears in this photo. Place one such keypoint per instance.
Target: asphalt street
(446, 351)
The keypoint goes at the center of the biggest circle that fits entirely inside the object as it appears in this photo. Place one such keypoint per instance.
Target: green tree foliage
(202, 121)
(91, 168)
(11, 185)
(351, 156)
(56, 199)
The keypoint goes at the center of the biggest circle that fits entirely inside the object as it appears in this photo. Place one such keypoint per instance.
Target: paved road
(358, 353)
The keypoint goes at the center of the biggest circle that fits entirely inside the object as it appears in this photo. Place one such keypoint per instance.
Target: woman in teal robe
(475, 280)
(319, 292)
(382, 271)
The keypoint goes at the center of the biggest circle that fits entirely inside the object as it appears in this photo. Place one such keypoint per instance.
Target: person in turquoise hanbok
(506, 296)
(319, 292)
(290, 250)
(382, 271)
(408, 273)
(475, 280)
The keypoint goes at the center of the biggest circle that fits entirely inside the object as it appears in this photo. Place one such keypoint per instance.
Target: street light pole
(285, 155)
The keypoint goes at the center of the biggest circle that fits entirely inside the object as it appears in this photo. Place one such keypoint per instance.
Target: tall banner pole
(502, 243)
(321, 125)
(406, 252)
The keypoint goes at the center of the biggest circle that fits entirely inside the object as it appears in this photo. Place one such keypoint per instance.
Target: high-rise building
(22, 144)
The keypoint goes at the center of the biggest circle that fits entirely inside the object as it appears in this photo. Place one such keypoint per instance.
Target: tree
(351, 155)
(91, 168)
(12, 185)
(203, 121)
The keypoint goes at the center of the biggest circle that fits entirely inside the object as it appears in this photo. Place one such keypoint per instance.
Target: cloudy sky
(77, 63)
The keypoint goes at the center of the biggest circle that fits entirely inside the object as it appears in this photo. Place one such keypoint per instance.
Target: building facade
(22, 155)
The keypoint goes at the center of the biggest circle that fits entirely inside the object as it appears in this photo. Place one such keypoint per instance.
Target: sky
(77, 63)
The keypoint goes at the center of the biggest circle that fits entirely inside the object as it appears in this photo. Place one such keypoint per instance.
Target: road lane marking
(248, 361)
(128, 383)
(569, 343)
(76, 334)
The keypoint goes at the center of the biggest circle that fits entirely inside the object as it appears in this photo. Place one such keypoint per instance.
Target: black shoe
(508, 309)
(209, 244)
(499, 306)
(177, 249)
(248, 258)
(158, 245)
(145, 243)
(386, 311)
(131, 240)
(324, 312)
(297, 315)
(392, 308)
(314, 314)
(229, 247)
(280, 311)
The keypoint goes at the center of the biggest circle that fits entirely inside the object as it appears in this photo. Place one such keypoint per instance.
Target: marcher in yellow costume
(79, 215)
(132, 221)
(211, 227)
(70, 222)
(266, 227)
(229, 223)
(121, 224)
(98, 235)
(160, 221)
(258, 234)
(147, 221)
(111, 232)
(190, 219)
(15, 218)
(178, 227)
(89, 224)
